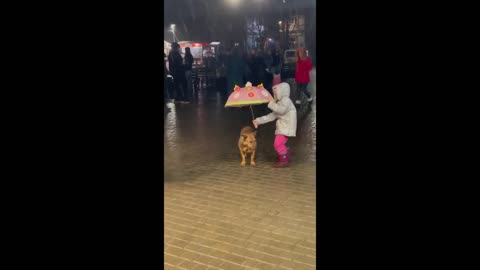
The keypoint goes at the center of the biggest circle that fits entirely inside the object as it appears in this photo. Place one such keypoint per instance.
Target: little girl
(284, 111)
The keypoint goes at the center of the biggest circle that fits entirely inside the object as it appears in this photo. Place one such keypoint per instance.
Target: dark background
(217, 20)
(88, 135)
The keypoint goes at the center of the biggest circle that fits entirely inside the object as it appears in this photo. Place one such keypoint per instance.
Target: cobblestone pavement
(219, 215)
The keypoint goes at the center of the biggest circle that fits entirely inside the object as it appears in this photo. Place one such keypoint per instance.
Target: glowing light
(233, 3)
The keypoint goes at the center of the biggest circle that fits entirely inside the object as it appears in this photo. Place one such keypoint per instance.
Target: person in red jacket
(302, 74)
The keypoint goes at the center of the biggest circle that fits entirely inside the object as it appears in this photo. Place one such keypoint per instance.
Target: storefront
(196, 49)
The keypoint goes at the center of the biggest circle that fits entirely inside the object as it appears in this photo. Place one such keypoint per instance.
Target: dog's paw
(252, 163)
(242, 164)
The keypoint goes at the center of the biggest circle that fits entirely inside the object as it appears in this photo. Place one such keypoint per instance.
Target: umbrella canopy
(248, 95)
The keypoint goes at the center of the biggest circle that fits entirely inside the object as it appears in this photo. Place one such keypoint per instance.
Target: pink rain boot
(282, 161)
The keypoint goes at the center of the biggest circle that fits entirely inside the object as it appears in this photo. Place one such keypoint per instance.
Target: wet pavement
(219, 215)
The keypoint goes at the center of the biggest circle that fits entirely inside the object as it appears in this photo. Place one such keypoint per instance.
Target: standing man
(175, 63)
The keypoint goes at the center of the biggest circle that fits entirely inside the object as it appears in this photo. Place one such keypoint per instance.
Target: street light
(233, 2)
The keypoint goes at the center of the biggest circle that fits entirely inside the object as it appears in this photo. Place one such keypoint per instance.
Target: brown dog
(247, 143)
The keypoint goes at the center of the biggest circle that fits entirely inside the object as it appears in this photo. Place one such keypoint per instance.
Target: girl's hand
(255, 123)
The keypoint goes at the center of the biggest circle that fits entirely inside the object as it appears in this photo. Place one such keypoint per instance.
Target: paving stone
(172, 260)
(228, 265)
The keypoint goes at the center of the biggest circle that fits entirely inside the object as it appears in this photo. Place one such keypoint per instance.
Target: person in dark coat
(166, 97)
(259, 69)
(235, 70)
(275, 61)
(188, 73)
(175, 63)
(251, 66)
(247, 74)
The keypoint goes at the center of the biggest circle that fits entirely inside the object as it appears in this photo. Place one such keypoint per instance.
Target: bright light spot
(233, 2)
(279, 22)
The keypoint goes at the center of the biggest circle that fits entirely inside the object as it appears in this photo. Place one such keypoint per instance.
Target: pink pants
(280, 144)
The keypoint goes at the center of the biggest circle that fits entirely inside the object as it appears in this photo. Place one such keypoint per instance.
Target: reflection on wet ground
(206, 127)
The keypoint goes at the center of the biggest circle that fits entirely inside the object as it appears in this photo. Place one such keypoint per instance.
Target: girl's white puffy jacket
(283, 111)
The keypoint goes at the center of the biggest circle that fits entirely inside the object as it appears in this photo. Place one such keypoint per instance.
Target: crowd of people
(256, 66)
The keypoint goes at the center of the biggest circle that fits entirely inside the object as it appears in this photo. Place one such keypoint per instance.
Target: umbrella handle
(253, 117)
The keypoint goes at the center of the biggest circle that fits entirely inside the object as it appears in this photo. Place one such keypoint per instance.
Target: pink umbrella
(248, 96)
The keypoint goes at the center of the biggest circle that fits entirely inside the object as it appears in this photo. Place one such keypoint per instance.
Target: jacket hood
(283, 90)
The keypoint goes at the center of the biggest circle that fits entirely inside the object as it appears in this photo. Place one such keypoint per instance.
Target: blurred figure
(268, 60)
(247, 74)
(259, 69)
(276, 66)
(235, 70)
(188, 73)
(251, 65)
(166, 94)
(175, 64)
(166, 97)
(302, 74)
(276, 61)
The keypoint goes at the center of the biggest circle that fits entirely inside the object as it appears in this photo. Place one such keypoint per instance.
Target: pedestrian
(259, 69)
(166, 96)
(276, 61)
(175, 63)
(302, 74)
(283, 110)
(188, 73)
(268, 59)
(248, 76)
(251, 66)
(235, 70)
